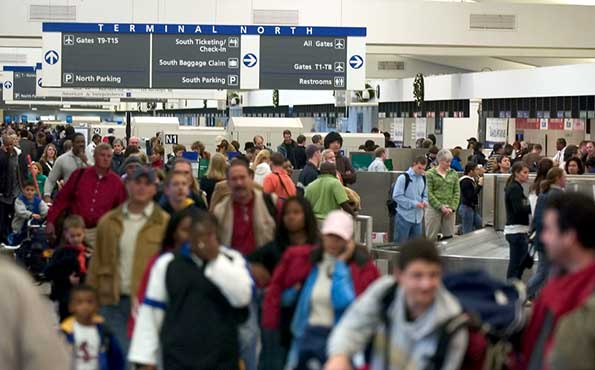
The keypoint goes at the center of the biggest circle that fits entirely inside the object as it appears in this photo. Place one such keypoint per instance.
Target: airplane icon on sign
(69, 40)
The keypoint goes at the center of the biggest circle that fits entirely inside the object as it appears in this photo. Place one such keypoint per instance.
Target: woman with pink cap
(324, 281)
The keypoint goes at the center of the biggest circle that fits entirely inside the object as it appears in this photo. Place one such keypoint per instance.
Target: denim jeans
(249, 333)
(537, 281)
(116, 318)
(405, 230)
(519, 247)
(470, 219)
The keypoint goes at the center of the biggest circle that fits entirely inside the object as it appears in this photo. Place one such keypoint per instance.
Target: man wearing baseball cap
(127, 238)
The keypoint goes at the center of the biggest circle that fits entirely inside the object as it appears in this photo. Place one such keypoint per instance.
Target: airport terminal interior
(297, 185)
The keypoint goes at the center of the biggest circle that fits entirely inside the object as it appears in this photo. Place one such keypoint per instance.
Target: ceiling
(550, 2)
(486, 63)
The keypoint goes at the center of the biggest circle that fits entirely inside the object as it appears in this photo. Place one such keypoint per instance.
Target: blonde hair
(552, 177)
(325, 153)
(262, 156)
(38, 165)
(217, 167)
(73, 222)
(44, 157)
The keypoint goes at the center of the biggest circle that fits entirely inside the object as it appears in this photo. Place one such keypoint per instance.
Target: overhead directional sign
(192, 56)
(315, 63)
(195, 62)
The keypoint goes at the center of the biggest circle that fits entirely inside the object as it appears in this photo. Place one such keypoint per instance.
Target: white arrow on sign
(250, 60)
(51, 57)
(356, 62)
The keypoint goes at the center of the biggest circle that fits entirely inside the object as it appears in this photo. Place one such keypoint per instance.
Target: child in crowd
(94, 347)
(157, 157)
(27, 206)
(68, 266)
(37, 175)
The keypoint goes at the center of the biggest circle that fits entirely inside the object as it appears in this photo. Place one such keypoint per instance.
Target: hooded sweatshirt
(412, 342)
(260, 172)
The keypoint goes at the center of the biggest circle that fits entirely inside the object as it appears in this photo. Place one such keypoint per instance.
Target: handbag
(529, 259)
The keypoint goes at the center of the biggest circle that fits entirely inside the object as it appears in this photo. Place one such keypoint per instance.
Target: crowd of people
(243, 268)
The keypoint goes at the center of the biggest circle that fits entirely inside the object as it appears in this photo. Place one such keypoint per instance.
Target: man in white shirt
(127, 238)
(90, 151)
(559, 157)
(378, 164)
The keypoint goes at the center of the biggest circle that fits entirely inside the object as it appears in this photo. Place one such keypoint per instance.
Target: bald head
(134, 141)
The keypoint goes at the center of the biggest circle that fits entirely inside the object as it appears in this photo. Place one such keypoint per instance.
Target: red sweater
(89, 196)
(294, 268)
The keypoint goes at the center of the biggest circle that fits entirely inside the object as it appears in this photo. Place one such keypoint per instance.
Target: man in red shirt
(90, 192)
(247, 215)
(569, 239)
(278, 181)
(246, 222)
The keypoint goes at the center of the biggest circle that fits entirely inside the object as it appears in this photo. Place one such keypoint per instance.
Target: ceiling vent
(52, 13)
(272, 16)
(492, 22)
(13, 58)
(391, 65)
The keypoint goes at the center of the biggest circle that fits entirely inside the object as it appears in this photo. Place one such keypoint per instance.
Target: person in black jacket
(478, 156)
(118, 155)
(68, 266)
(518, 211)
(470, 188)
(194, 303)
(300, 153)
(9, 183)
(310, 171)
(28, 148)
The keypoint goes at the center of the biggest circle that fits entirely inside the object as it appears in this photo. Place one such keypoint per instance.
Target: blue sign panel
(204, 29)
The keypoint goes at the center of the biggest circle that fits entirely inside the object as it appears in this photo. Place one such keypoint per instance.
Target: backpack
(390, 203)
(492, 308)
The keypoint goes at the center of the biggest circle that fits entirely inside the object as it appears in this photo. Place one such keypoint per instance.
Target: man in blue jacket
(411, 195)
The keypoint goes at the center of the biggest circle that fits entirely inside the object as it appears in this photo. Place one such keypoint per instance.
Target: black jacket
(469, 192)
(27, 149)
(300, 157)
(46, 167)
(289, 151)
(195, 303)
(7, 179)
(518, 208)
(64, 262)
(117, 161)
(479, 158)
(309, 174)
(208, 186)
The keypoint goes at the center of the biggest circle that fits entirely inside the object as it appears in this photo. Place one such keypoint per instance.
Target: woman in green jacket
(444, 194)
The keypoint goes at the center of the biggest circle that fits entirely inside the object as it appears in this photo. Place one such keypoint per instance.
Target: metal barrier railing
(362, 230)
